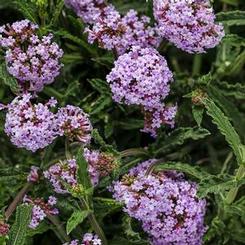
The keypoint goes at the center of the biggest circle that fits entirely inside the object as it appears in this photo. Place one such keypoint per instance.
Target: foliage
(207, 143)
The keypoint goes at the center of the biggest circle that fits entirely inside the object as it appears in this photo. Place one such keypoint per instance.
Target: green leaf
(236, 90)
(197, 112)
(231, 18)
(57, 12)
(215, 185)
(128, 229)
(28, 9)
(101, 103)
(194, 171)
(76, 218)
(8, 79)
(82, 173)
(180, 135)
(18, 232)
(225, 127)
(100, 85)
(229, 108)
(105, 206)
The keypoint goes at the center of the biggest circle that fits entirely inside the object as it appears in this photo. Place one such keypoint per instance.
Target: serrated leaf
(236, 90)
(76, 218)
(215, 185)
(229, 108)
(128, 229)
(101, 103)
(180, 135)
(100, 85)
(58, 8)
(19, 229)
(28, 9)
(194, 171)
(231, 18)
(8, 79)
(225, 127)
(197, 112)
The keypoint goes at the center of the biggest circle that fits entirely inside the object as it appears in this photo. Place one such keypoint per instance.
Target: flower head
(113, 32)
(190, 25)
(33, 61)
(140, 77)
(165, 203)
(74, 123)
(99, 164)
(40, 209)
(30, 126)
(63, 171)
(4, 228)
(88, 10)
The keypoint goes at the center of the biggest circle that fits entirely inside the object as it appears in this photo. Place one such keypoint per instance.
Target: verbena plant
(120, 129)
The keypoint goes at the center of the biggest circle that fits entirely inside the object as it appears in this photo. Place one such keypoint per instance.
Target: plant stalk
(19, 197)
(134, 152)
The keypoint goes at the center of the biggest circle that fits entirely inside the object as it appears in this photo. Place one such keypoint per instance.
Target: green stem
(17, 200)
(152, 166)
(231, 196)
(59, 228)
(94, 223)
(197, 64)
(67, 152)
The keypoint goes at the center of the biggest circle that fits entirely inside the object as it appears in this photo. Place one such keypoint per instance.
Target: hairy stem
(231, 196)
(197, 64)
(19, 197)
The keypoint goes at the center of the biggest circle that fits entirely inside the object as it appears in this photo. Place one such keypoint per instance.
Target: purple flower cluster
(33, 176)
(165, 204)
(34, 62)
(113, 32)
(74, 123)
(190, 25)
(142, 77)
(64, 171)
(99, 164)
(90, 11)
(35, 126)
(41, 209)
(88, 239)
(155, 118)
(30, 126)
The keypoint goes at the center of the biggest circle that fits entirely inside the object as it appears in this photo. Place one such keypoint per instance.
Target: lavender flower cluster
(142, 77)
(35, 126)
(33, 176)
(34, 62)
(165, 204)
(117, 33)
(88, 239)
(30, 126)
(41, 209)
(190, 25)
(99, 165)
(63, 171)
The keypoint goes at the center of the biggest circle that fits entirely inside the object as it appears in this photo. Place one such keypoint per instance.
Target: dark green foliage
(207, 144)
